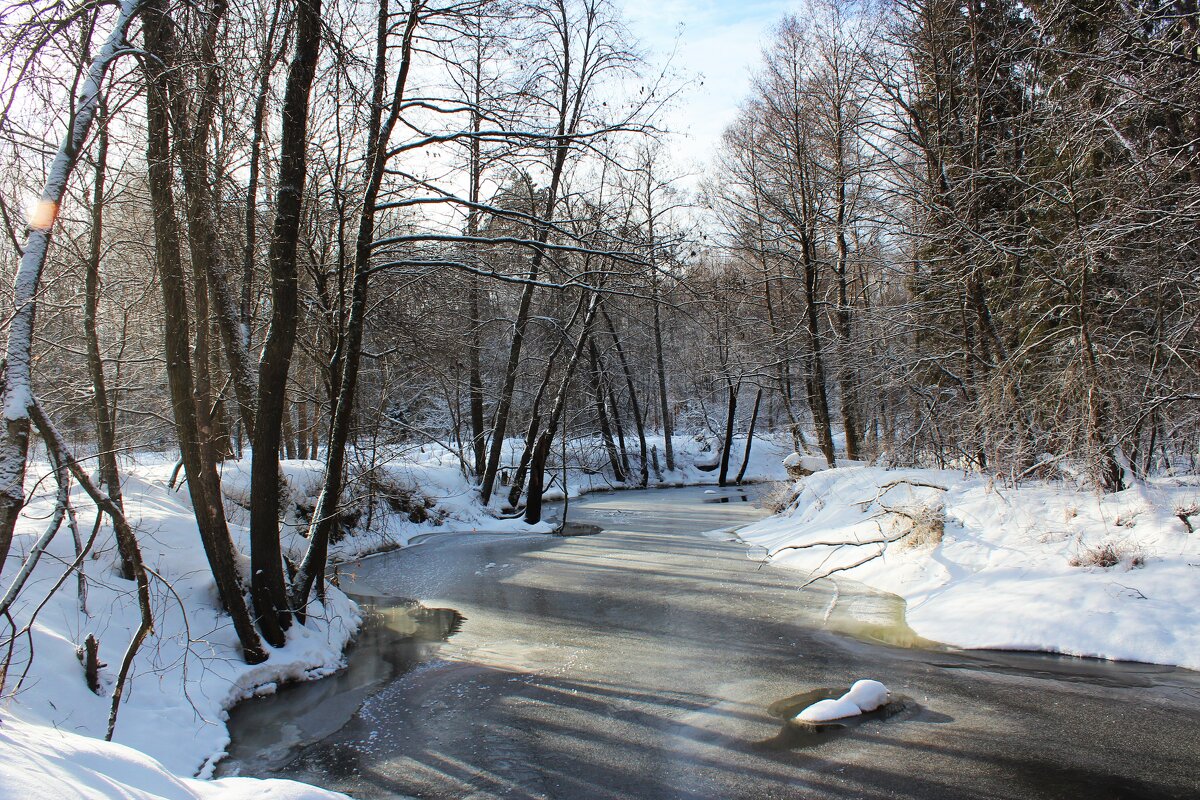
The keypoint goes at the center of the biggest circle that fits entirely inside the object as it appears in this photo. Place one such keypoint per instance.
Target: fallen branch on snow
(919, 519)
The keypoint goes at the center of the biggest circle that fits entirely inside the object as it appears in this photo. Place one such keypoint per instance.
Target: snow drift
(1040, 567)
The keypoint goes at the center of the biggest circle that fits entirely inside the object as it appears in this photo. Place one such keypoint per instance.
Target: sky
(720, 42)
(714, 42)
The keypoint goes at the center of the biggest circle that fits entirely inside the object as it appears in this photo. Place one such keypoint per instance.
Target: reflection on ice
(396, 636)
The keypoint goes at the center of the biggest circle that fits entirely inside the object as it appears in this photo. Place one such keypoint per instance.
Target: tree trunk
(818, 398)
(288, 434)
(616, 419)
(475, 372)
(531, 439)
(727, 447)
(475, 380)
(749, 438)
(302, 425)
(638, 422)
(106, 431)
(265, 66)
(345, 378)
(531, 434)
(210, 281)
(664, 402)
(314, 434)
(572, 91)
(1106, 470)
(268, 585)
(198, 462)
(847, 383)
(504, 407)
(606, 435)
(222, 427)
(537, 469)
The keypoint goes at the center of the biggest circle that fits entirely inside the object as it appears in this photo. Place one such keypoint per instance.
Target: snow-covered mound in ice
(868, 695)
(864, 696)
(829, 710)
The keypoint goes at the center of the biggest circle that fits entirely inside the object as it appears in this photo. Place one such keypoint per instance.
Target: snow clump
(864, 696)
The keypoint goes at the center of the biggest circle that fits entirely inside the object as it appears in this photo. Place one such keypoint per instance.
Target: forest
(960, 235)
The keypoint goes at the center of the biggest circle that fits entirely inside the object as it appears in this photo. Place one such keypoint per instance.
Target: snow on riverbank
(190, 672)
(42, 762)
(696, 464)
(1039, 567)
(186, 676)
(423, 490)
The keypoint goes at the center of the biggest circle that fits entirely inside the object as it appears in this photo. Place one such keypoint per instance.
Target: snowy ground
(1040, 567)
(189, 672)
(40, 761)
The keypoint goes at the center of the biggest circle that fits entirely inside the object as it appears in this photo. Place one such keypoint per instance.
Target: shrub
(927, 524)
(779, 496)
(1107, 555)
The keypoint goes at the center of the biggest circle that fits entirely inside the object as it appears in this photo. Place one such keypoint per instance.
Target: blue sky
(719, 40)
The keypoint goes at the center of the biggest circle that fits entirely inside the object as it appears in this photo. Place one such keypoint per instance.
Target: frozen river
(659, 659)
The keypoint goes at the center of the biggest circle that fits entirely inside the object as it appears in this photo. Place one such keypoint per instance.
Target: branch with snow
(918, 519)
(17, 395)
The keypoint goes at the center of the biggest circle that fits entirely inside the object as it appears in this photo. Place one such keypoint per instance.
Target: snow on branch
(922, 521)
(575, 282)
(507, 136)
(17, 397)
(41, 221)
(534, 244)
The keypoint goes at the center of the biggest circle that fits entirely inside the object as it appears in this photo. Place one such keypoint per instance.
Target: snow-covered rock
(799, 465)
(864, 696)
(868, 695)
(829, 710)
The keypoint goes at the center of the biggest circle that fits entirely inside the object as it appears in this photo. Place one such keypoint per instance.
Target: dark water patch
(800, 734)
(333, 760)
(1048, 779)
(1074, 669)
(396, 636)
(740, 497)
(579, 529)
